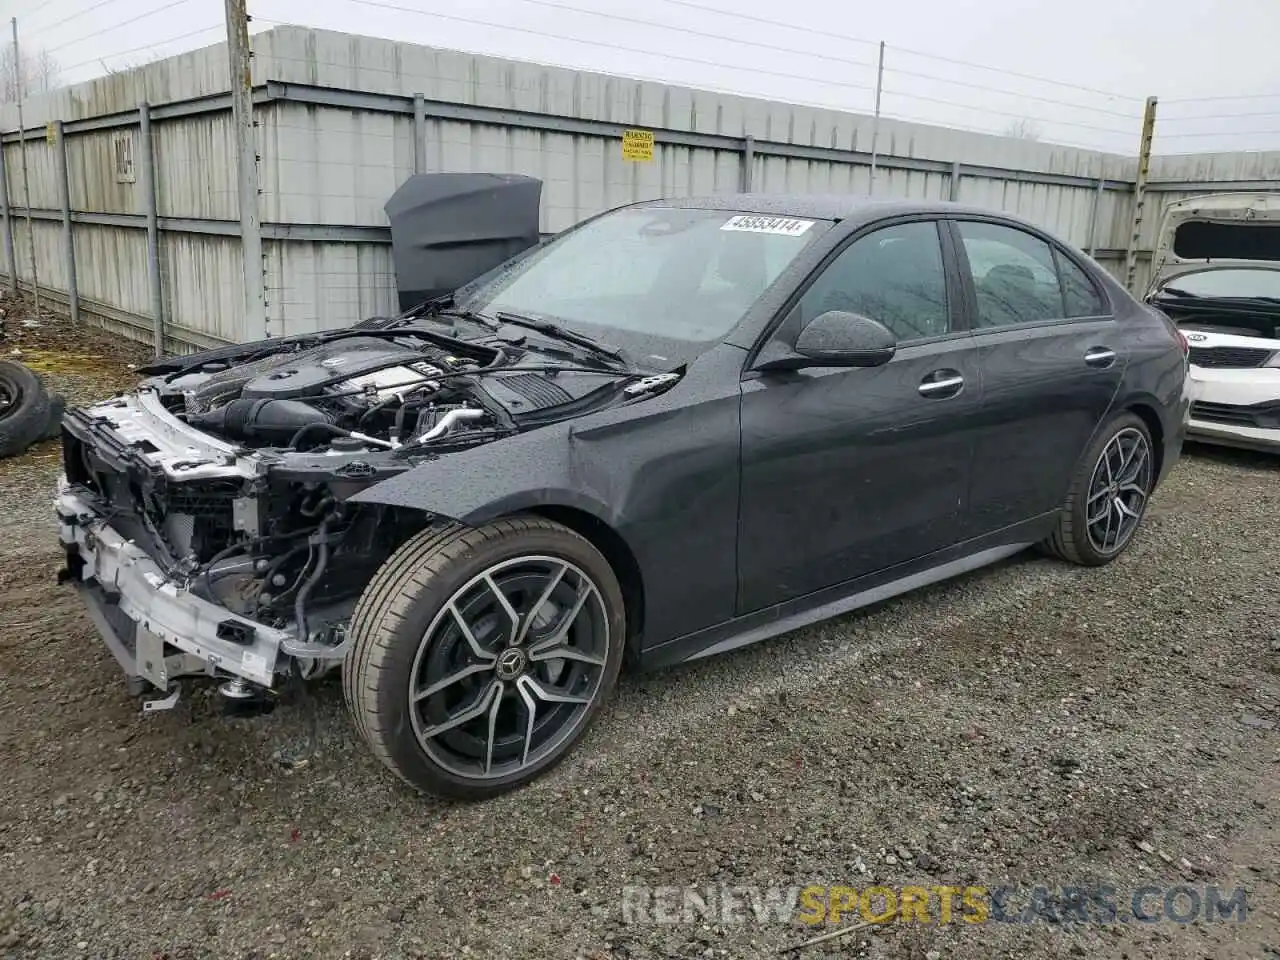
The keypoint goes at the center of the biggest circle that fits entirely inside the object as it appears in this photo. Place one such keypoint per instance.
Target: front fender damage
(554, 465)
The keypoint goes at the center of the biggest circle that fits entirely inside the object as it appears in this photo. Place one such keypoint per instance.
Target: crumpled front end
(195, 557)
(154, 626)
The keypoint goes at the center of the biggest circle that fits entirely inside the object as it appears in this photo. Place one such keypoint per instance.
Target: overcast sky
(1104, 56)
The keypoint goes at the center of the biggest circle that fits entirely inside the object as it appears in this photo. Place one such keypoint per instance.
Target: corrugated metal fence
(139, 170)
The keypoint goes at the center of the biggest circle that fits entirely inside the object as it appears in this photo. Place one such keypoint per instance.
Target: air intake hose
(260, 419)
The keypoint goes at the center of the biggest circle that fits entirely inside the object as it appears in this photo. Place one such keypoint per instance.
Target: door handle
(941, 384)
(1099, 356)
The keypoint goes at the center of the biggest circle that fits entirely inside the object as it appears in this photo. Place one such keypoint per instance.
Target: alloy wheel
(1118, 491)
(508, 667)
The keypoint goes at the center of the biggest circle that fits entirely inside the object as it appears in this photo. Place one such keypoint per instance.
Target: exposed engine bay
(229, 472)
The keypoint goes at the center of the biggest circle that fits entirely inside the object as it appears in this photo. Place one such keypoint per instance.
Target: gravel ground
(1033, 723)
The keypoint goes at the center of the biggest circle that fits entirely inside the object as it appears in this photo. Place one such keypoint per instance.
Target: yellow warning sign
(637, 145)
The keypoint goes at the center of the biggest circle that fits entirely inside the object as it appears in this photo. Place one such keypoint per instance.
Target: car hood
(1228, 230)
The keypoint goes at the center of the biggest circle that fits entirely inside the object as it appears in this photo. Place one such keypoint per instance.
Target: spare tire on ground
(24, 408)
(53, 427)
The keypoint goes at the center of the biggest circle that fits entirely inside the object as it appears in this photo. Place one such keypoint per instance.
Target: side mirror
(838, 339)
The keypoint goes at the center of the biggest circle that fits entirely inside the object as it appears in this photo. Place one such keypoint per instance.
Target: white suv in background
(1217, 275)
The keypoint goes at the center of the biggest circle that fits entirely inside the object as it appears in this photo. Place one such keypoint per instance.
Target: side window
(1079, 293)
(893, 275)
(1014, 275)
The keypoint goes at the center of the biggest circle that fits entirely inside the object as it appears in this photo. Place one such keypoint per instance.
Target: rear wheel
(1108, 495)
(480, 656)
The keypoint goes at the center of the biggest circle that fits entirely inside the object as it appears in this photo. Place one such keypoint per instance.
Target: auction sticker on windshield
(786, 226)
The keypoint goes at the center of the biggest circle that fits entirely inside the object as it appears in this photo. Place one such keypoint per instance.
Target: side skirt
(846, 597)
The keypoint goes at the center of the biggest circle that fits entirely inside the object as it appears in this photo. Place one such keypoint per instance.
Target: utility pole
(1139, 193)
(26, 182)
(241, 62)
(875, 124)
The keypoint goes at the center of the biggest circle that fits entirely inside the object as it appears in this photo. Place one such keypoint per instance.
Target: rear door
(1052, 360)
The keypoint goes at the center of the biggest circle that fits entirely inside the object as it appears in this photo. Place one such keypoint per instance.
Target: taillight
(1173, 328)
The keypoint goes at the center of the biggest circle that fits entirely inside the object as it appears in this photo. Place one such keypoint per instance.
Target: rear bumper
(154, 626)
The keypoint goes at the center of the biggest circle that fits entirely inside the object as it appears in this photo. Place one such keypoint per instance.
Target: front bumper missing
(156, 629)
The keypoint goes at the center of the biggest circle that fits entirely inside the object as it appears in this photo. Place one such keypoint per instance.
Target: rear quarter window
(1080, 295)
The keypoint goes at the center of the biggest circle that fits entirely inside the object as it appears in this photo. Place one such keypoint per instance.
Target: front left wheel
(480, 656)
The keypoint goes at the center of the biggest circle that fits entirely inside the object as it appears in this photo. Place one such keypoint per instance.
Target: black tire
(402, 611)
(53, 427)
(24, 408)
(1074, 540)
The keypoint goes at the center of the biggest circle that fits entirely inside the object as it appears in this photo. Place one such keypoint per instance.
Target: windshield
(663, 283)
(1226, 283)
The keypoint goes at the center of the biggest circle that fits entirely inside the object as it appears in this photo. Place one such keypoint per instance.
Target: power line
(843, 61)
(827, 34)
(1219, 133)
(117, 26)
(771, 23)
(785, 75)
(1012, 93)
(1221, 116)
(1002, 113)
(1242, 96)
(905, 118)
(23, 11)
(1013, 73)
(70, 17)
(150, 46)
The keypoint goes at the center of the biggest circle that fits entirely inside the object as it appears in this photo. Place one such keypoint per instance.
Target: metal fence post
(256, 325)
(10, 258)
(64, 198)
(748, 161)
(419, 134)
(1093, 219)
(875, 123)
(1139, 194)
(955, 180)
(153, 224)
(26, 180)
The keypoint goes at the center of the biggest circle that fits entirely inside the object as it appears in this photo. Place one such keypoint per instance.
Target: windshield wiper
(1177, 292)
(563, 333)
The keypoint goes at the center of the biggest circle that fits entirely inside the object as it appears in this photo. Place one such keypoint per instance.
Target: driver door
(850, 471)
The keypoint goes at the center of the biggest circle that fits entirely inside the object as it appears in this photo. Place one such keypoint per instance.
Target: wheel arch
(615, 550)
(1146, 412)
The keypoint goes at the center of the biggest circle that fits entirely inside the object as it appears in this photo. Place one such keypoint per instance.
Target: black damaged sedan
(680, 427)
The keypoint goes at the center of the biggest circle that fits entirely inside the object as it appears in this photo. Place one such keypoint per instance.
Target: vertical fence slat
(64, 199)
(147, 155)
(10, 258)
(955, 180)
(1093, 218)
(748, 161)
(419, 134)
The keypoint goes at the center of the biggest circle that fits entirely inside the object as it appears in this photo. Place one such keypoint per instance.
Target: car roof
(833, 206)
